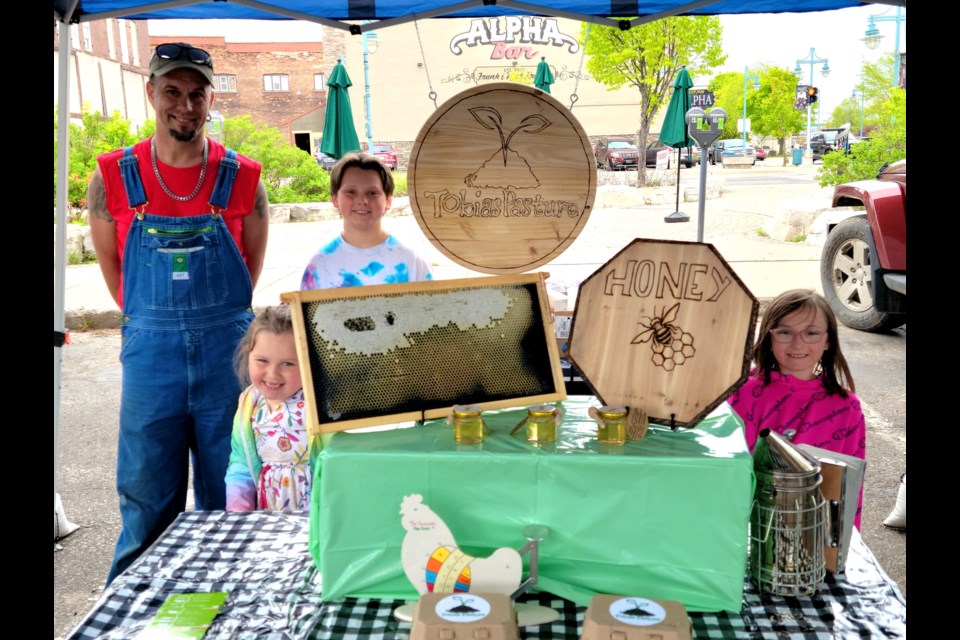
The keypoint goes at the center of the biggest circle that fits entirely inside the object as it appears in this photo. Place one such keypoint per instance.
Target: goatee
(182, 136)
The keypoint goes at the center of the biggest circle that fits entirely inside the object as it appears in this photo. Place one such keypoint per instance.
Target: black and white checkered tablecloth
(261, 560)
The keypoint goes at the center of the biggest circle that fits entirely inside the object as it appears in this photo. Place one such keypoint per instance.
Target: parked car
(690, 156)
(616, 153)
(759, 153)
(655, 147)
(730, 147)
(863, 267)
(325, 161)
(828, 140)
(384, 151)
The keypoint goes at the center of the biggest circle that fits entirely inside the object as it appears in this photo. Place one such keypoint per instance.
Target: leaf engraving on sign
(505, 168)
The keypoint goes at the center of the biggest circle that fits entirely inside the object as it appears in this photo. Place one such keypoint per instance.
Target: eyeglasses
(177, 51)
(810, 336)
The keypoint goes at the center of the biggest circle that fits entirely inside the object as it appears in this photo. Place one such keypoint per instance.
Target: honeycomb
(412, 351)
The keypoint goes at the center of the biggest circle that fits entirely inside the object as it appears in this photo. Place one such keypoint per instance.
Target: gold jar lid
(612, 413)
(541, 410)
(466, 411)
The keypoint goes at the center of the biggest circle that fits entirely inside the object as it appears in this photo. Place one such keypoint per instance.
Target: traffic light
(812, 94)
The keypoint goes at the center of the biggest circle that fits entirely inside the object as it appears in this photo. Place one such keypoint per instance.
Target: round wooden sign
(665, 327)
(502, 178)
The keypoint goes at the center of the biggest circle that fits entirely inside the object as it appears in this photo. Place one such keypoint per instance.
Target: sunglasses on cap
(177, 51)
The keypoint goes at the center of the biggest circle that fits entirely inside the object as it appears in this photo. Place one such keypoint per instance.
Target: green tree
(289, 173)
(847, 111)
(887, 143)
(95, 135)
(648, 57)
(727, 91)
(770, 107)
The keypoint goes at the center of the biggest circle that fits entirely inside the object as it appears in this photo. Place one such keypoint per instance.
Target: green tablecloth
(663, 517)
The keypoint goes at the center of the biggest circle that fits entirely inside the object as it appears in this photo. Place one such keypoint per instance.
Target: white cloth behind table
(61, 526)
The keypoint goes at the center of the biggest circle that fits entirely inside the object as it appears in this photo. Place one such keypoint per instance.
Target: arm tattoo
(97, 198)
(260, 204)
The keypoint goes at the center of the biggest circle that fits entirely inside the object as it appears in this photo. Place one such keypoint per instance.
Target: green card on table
(184, 615)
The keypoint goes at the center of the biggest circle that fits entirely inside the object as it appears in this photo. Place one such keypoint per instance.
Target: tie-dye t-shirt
(339, 264)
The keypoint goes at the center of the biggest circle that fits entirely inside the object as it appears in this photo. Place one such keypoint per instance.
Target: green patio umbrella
(544, 77)
(339, 134)
(674, 133)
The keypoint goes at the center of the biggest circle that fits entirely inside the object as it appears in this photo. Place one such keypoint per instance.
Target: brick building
(282, 84)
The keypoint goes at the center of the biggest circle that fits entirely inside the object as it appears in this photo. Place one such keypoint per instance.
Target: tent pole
(59, 261)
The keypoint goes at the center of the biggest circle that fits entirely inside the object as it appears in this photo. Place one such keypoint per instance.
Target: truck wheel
(846, 277)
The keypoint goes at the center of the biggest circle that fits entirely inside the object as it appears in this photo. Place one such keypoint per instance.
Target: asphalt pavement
(733, 223)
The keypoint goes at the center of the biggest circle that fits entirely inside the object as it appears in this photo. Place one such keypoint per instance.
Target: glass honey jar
(611, 425)
(542, 421)
(467, 424)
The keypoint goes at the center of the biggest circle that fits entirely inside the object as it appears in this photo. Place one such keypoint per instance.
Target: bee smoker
(787, 522)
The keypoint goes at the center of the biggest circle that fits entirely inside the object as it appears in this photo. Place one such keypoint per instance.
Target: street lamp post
(369, 42)
(756, 85)
(812, 59)
(872, 38)
(859, 92)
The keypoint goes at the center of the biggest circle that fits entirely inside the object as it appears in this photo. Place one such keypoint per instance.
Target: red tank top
(181, 181)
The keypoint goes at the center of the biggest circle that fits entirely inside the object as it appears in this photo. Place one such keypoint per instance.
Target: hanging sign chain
(433, 94)
(573, 96)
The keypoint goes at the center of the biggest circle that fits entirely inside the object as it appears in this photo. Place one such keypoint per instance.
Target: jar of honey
(467, 424)
(611, 425)
(542, 421)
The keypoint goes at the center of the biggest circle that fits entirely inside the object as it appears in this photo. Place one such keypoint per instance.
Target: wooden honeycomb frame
(394, 353)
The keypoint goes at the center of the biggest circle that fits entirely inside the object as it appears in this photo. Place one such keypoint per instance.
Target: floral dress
(282, 444)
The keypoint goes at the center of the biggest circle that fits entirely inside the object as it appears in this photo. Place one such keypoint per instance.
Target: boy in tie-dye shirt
(361, 189)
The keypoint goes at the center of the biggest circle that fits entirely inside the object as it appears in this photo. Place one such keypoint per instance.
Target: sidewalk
(732, 224)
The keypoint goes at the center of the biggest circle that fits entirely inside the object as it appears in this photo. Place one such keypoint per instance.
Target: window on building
(134, 44)
(87, 37)
(124, 47)
(276, 82)
(111, 44)
(225, 83)
(319, 82)
(74, 37)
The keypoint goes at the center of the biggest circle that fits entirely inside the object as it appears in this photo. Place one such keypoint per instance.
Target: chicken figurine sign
(434, 563)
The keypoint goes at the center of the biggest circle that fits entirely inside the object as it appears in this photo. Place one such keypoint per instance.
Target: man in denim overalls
(179, 224)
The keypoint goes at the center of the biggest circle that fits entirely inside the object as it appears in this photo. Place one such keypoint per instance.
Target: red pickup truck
(863, 267)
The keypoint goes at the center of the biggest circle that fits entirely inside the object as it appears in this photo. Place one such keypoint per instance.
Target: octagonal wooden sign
(666, 327)
(502, 178)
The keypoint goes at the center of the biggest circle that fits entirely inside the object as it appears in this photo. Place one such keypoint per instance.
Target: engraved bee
(661, 329)
(671, 345)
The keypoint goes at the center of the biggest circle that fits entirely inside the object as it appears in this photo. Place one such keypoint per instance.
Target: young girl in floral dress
(270, 454)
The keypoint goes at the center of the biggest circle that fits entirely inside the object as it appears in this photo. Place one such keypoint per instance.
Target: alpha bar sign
(514, 37)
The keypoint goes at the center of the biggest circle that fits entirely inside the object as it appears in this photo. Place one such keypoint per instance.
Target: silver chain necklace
(156, 171)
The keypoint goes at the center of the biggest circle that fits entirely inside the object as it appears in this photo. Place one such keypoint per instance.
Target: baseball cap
(181, 55)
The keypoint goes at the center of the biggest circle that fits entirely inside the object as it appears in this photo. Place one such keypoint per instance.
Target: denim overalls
(186, 304)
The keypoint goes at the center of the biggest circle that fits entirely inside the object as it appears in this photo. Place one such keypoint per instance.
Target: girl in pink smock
(801, 381)
(270, 451)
